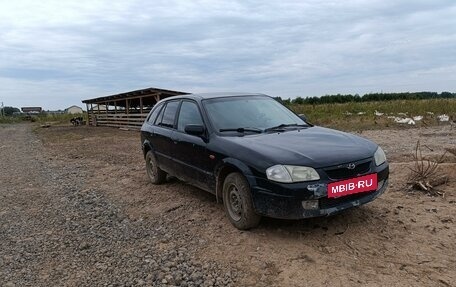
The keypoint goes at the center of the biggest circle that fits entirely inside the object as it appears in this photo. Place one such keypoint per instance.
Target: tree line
(371, 97)
(8, 111)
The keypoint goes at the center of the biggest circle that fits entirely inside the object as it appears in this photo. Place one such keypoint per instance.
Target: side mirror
(196, 130)
(303, 117)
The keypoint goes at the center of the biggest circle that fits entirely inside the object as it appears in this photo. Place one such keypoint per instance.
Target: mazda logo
(351, 166)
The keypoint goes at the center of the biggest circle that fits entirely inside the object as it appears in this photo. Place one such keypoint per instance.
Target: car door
(161, 139)
(191, 154)
(147, 129)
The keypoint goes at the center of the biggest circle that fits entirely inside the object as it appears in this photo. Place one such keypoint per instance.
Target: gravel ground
(56, 231)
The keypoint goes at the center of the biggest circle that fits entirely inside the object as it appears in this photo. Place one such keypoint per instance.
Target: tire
(156, 175)
(237, 201)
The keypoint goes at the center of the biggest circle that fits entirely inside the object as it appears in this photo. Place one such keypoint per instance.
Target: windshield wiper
(242, 130)
(281, 126)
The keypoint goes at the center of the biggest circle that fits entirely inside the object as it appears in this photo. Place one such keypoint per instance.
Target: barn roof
(31, 109)
(134, 94)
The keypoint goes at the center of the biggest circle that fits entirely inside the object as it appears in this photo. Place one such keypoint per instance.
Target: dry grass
(345, 116)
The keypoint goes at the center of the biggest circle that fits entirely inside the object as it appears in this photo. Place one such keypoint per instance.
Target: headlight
(379, 156)
(291, 173)
(278, 173)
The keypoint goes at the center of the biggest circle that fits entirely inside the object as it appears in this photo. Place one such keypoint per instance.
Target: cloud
(73, 50)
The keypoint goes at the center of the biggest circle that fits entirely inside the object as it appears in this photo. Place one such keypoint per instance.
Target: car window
(249, 111)
(169, 114)
(160, 115)
(189, 114)
(154, 114)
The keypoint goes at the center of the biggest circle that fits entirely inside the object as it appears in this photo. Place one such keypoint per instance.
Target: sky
(54, 54)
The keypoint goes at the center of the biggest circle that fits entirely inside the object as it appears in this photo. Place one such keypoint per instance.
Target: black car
(260, 158)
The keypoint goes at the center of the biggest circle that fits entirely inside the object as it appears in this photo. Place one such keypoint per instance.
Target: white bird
(404, 121)
(443, 118)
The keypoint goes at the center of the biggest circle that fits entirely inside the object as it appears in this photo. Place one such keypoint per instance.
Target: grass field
(345, 116)
(341, 116)
(52, 119)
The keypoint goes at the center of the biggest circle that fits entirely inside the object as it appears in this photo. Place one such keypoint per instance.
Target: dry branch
(424, 173)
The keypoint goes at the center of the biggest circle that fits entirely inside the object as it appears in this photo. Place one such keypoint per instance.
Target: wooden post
(106, 106)
(140, 105)
(127, 107)
(94, 117)
(88, 116)
(115, 107)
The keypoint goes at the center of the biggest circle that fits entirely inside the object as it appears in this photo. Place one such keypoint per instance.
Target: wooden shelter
(126, 110)
(31, 110)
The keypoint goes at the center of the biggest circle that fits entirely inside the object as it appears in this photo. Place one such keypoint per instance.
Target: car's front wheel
(238, 203)
(156, 175)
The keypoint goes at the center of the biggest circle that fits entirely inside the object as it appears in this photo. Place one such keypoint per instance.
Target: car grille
(333, 202)
(344, 172)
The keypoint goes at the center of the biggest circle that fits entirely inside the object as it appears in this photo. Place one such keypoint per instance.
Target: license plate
(353, 185)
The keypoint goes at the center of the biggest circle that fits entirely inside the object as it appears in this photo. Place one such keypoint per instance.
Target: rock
(84, 246)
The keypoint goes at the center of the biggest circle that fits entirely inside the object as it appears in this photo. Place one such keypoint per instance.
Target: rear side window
(169, 114)
(189, 114)
(154, 114)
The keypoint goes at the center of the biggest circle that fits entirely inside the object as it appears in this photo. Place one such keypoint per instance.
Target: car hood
(314, 146)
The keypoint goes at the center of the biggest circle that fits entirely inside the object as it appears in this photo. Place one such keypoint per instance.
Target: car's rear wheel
(156, 175)
(238, 204)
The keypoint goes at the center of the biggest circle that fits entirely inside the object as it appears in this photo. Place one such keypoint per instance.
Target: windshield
(255, 112)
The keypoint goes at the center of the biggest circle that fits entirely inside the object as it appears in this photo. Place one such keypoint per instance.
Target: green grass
(53, 119)
(335, 115)
(10, 120)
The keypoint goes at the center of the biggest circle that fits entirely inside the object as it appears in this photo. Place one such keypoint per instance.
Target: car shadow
(357, 218)
(336, 224)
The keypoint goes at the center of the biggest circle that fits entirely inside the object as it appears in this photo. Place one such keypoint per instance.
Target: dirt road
(76, 208)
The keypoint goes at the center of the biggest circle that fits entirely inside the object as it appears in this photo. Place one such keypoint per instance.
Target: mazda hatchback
(259, 158)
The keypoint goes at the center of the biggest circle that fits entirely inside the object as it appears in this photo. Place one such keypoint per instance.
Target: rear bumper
(288, 201)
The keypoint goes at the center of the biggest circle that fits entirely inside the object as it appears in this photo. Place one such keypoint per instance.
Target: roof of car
(214, 95)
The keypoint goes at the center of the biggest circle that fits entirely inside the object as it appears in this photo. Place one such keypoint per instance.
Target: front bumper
(285, 201)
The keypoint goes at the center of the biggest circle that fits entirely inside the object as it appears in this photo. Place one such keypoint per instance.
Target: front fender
(231, 163)
(236, 164)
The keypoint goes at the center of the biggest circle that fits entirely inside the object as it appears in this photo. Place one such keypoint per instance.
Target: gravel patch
(56, 231)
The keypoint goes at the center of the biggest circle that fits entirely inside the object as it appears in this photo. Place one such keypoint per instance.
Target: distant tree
(286, 102)
(371, 97)
(298, 101)
(9, 111)
(446, 95)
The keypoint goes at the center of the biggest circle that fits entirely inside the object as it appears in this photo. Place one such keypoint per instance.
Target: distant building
(55, 112)
(74, 110)
(31, 110)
